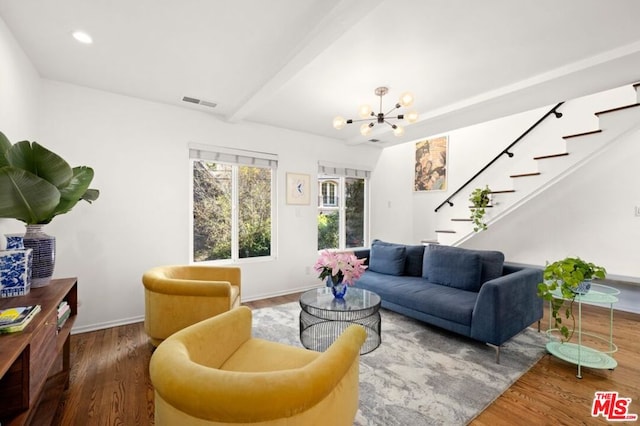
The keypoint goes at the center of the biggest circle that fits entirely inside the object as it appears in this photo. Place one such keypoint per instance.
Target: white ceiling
(298, 63)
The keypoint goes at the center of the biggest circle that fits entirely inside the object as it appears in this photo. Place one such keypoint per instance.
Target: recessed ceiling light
(82, 37)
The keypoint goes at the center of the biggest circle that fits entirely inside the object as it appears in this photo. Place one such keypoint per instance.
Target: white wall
(391, 202)
(19, 87)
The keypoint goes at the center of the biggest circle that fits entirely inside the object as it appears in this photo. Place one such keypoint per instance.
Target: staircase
(542, 161)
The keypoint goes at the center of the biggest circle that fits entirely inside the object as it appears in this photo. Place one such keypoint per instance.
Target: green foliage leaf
(52, 167)
(479, 199)
(36, 184)
(90, 195)
(5, 145)
(25, 196)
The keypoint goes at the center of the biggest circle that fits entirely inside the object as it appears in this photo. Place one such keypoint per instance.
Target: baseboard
(108, 324)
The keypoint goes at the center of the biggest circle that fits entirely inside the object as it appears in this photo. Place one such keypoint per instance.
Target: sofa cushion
(492, 264)
(492, 261)
(413, 258)
(413, 262)
(387, 259)
(452, 267)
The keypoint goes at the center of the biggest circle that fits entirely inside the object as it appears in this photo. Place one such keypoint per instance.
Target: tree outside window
(221, 231)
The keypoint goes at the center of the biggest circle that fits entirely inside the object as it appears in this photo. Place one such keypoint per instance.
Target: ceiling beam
(337, 20)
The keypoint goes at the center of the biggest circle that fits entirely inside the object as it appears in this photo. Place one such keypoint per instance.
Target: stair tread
(618, 109)
(543, 157)
(446, 231)
(504, 191)
(429, 242)
(576, 135)
(461, 220)
(525, 174)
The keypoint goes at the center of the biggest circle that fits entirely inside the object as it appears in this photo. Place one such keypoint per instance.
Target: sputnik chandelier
(371, 118)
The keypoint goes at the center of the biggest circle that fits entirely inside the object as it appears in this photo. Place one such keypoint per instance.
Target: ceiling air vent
(199, 102)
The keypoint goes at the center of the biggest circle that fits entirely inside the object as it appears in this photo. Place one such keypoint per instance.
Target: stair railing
(503, 152)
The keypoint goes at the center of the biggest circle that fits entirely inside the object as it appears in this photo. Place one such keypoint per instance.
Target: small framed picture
(298, 190)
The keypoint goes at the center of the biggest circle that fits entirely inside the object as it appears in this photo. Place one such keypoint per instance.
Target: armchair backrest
(178, 296)
(188, 373)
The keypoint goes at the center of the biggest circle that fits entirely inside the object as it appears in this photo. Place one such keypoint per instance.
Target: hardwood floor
(110, 381)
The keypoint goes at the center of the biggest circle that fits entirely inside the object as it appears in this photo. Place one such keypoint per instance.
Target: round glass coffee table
(323, 317)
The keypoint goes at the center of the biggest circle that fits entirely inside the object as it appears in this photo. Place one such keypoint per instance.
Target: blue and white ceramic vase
(15, 241)
(44, 255)
(15, 268)
(582, 288)
(338, 288)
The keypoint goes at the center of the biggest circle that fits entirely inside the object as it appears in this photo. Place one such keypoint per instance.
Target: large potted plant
(36, 185)
(479, 199)
(563, 280)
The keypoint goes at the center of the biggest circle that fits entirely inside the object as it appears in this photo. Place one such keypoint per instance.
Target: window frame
(211, 156)
(340, 207)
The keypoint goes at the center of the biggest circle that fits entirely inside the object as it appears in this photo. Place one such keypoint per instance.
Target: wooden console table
(34, 363)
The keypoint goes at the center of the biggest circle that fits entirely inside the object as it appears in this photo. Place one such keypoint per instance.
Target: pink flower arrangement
(339, 265)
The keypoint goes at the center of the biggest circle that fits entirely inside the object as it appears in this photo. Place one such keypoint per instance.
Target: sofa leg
(497, 348)
(539, 321)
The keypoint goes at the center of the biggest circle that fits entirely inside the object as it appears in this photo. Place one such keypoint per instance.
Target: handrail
(504, 151)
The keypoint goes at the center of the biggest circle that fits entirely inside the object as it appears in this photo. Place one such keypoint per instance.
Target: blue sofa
(470, 292)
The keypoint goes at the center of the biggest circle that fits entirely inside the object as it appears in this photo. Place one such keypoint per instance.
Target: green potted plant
(35, 186)
(562, 281)
(479, 199)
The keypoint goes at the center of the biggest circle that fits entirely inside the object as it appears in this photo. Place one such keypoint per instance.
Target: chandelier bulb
(398, 130)
(406, 99)
(364, 111)
(411, 116)
(339, 122)
(365, 129)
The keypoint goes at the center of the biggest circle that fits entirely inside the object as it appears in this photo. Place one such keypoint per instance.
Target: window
(328, 190)
(342, 208)
(232, 205)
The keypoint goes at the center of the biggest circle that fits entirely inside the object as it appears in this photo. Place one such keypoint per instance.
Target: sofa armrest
(507, 305)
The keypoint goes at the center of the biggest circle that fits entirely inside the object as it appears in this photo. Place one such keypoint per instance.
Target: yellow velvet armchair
(216, 373)
(178, 296)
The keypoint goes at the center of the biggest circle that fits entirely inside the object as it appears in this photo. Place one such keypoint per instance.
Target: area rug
(420, 375)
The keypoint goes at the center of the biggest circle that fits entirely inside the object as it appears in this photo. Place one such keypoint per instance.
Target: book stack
(16, 319)
(64, 310)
